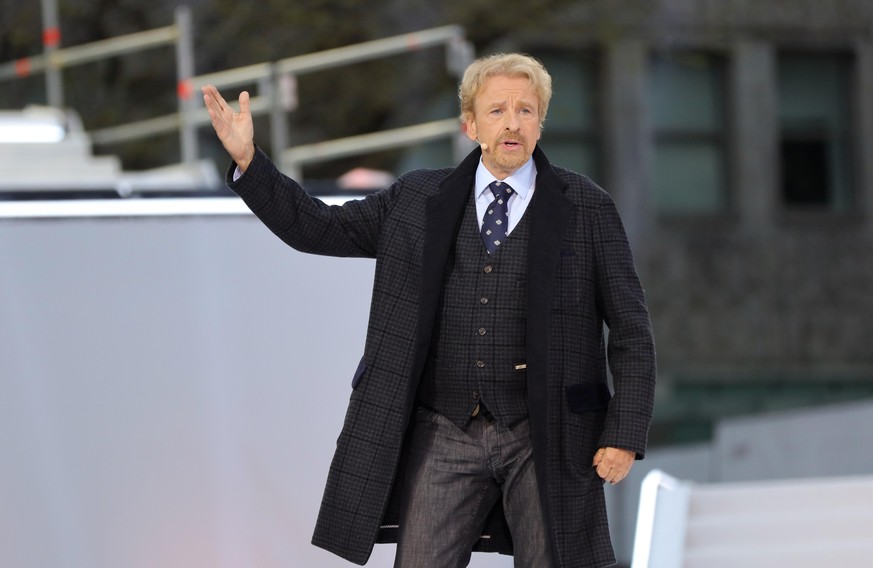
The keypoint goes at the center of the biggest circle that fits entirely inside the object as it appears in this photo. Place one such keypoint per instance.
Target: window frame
(721, 139)
(850, 136)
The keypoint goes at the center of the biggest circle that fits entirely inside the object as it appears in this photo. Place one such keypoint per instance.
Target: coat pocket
(588, 404)
(587, 397)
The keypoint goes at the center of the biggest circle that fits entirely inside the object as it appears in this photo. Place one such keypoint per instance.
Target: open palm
(234, 129)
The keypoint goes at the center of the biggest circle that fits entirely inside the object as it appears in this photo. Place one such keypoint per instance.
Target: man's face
(506, 117)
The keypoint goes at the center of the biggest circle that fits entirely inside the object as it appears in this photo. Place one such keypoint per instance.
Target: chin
(511, 164)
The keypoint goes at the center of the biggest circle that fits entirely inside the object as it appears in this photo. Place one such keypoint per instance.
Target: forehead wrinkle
(514, 98)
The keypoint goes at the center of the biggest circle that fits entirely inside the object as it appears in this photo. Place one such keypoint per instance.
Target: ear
(470, 127)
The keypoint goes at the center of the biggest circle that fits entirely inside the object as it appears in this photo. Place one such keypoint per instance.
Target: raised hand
(235, 129)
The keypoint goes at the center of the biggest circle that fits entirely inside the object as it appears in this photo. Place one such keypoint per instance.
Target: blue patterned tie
(496, 219)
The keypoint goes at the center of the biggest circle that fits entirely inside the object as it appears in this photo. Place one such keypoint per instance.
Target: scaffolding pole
(51, 40)
(185, 90)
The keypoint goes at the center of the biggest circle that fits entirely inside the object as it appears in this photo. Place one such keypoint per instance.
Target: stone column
(754, 144)
(627, 136)
(864, 134)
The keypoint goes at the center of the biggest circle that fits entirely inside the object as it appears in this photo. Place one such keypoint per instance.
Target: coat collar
(448, 203)
(551, 212)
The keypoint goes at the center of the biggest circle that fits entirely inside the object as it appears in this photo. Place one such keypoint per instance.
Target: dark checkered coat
(580, 276)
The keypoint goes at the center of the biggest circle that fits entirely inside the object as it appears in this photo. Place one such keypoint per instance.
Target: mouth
(510, 144)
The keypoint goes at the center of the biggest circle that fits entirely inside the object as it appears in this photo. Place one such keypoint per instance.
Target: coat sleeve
(631, 346)
(306, 223)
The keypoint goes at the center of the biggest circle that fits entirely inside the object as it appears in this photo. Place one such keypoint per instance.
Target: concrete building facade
(737, 139)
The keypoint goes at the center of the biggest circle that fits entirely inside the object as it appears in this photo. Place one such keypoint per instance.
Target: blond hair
(506, 65)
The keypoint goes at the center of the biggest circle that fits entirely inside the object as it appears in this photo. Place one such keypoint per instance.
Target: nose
(512, 122)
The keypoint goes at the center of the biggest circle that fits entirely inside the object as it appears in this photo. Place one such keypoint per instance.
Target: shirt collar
(521, 181)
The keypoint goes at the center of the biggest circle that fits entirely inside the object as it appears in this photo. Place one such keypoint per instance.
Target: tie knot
(500, 189)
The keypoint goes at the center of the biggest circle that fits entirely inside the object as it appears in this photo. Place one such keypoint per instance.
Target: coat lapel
(443, 213)
(552, 212)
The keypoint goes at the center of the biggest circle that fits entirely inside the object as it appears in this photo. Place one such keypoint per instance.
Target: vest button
(483, 300)
(475, 395)
(488, 269)
(480, 363)
(482, 331)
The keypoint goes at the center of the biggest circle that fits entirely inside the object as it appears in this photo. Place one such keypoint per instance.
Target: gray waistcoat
(479, 337)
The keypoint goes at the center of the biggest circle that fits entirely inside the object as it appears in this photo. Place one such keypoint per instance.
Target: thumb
(244, 105)
(598, 457)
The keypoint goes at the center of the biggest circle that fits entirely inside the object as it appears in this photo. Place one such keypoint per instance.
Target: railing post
(51, 41)
(460, 53)
(282, 101)
(185, 91)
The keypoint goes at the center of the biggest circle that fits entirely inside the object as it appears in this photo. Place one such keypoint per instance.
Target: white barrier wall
(821, 446)
(171, 390)
(820, 442)
(755, 524)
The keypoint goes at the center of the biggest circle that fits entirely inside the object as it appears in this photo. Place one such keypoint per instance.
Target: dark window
(815, 146)
(805, 176)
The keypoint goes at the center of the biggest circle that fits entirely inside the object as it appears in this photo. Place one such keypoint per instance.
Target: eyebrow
(504, 102)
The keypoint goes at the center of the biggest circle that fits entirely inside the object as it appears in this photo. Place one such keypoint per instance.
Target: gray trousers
(453, 480)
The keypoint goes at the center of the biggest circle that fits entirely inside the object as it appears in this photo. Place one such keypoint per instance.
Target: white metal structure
(805, 523)
(55, 59)
(45, 149)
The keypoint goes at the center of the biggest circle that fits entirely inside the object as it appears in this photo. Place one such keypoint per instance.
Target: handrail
(346, 55)
(268, 77)
(298, 65)
(163, 124)
(459, 54)
(373, 142)
(86, 53)
(413, 41)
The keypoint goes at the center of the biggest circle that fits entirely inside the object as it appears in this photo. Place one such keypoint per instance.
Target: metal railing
(275, 83)
(180, 34)
(276, 80)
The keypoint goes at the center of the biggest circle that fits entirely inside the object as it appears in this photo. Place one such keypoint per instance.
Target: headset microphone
(482, 145)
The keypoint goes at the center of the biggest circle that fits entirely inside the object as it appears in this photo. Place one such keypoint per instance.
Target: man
(480, 416)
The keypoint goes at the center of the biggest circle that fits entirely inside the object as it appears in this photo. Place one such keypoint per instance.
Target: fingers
(613, 464)
(215, 105)
(212, 98)
(214, 101)
(244, 103)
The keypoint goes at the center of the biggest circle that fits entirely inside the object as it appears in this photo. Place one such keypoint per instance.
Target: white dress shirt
(522, 182)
